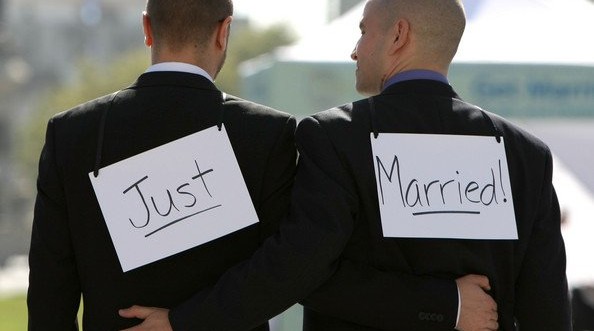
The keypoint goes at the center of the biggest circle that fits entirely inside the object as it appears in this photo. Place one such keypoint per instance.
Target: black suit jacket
(527, 276)
(382, 283)
(71, 250)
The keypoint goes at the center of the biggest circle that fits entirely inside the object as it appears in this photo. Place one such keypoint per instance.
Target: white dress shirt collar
(180, 67)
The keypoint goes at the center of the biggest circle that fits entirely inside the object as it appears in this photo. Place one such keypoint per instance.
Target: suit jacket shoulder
(250, 107)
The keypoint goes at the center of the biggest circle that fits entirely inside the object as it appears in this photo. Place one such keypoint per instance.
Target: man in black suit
(72, 253)
(372, 279)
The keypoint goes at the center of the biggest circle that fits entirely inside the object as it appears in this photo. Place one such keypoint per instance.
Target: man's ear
(148, 29)
(400, 35)
(223, 32)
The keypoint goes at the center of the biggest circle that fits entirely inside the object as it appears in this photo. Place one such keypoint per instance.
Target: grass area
(13, 313)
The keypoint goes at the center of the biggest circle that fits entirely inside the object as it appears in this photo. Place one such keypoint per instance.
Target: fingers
(488, 306)
(136, 312)
(492, 315)
(481, 281)
(478, 310)
(492, 326)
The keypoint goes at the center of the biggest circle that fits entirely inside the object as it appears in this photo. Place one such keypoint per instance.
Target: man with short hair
(436, 276)
(73, 253)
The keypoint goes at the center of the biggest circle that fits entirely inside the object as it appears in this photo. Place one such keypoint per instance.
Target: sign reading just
(443, 186)
(173, 198)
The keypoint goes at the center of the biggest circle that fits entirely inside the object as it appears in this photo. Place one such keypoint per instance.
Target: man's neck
(179, 67)
(184, 55)
(415, 74)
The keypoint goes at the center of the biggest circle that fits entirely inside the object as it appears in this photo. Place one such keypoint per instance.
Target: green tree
(248, 43)
(94, 81)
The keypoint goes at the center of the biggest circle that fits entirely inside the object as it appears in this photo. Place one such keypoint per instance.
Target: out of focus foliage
(248, 43)
(93, 81)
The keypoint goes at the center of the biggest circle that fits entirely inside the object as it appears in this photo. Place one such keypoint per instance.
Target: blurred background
(527, 60)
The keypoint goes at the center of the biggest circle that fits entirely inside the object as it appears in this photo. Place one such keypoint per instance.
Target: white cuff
(459, 306)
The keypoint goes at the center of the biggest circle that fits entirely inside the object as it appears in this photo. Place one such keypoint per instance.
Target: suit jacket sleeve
(542, 301)
(290, 264)
(54, 290)
(384, 300)
(278, 181)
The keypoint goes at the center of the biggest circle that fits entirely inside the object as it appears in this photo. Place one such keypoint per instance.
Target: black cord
(101, 134)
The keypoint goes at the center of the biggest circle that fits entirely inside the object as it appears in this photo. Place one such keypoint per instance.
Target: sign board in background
(526, 90)
(173, 198)
(443, 186)
(508, 89)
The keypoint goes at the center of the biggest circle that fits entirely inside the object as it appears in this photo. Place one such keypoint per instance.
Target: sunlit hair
(439, 24)
(182, 22)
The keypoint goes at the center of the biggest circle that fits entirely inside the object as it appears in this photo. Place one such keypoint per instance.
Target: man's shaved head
(437, 24)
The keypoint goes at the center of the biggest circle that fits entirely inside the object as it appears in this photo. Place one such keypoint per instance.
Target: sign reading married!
(443, 186)
(173, 198)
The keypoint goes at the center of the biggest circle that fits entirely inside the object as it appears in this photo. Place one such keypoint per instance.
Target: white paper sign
(443, 186)
(173, 198)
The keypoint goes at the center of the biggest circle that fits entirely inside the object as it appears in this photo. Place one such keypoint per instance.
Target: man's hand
(155, 319)
(478, 311)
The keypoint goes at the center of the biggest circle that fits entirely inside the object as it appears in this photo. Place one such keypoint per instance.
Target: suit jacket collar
(174, 79)
(423, 87)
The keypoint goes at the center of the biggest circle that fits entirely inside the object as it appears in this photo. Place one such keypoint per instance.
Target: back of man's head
(438, 25)
(179, 23)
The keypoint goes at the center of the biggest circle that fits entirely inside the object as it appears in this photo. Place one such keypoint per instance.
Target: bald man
(375, 275)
